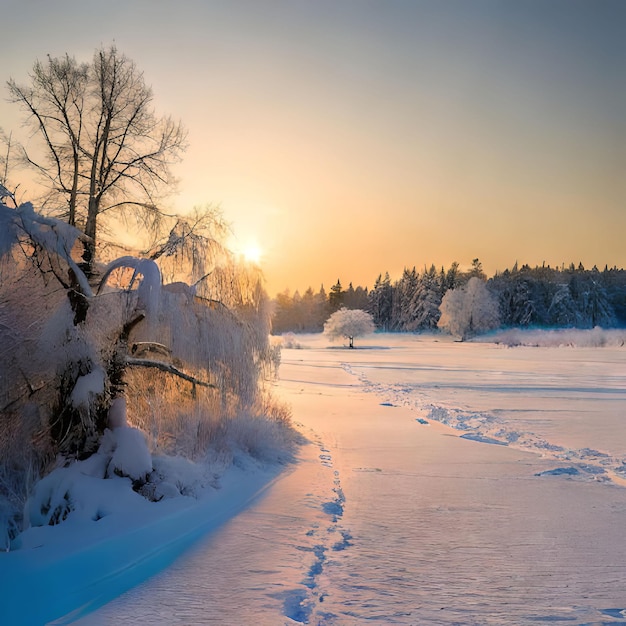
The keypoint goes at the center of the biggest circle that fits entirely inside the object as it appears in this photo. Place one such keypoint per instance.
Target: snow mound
(87, 387)
(78, 491)
(131, 456)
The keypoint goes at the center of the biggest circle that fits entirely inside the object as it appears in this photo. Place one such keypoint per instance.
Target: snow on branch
(149, 286)
(52, 235)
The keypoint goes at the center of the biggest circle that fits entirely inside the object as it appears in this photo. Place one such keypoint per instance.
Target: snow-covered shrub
(176, 420)
(52, 499)
(174, 476)
(290, 342)
(261, 437)
(562, 337)
(179, 423)
(79, 493)
(15, 484)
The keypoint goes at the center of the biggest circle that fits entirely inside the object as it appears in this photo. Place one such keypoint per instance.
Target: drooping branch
(170, 369)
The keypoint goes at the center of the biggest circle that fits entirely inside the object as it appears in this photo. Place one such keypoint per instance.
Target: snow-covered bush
(349, 323)
(178, 422)
(289, 341)
(79, 491)
(268, 440)
(561, 337)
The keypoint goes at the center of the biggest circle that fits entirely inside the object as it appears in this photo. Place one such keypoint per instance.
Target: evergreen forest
(538, 297)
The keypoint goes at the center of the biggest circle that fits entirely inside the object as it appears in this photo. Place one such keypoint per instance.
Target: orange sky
(347, 139)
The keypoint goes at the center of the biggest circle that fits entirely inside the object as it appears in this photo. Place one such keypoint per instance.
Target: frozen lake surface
(443, 483)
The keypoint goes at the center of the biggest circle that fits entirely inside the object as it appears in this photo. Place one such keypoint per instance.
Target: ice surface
(387, 521)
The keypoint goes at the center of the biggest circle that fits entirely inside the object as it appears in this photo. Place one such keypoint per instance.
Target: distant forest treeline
(566, 297)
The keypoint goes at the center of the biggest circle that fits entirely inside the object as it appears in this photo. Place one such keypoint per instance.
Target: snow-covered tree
(381, 301)
(403, 294)
(592, 300)
(72, 353)
(453, 277)
(425, 304)
(476, 270)
(349, 323)
(469, 309)
(563, 310)
(336, 296)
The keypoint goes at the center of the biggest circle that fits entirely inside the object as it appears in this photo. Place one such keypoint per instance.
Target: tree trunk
(89, 246)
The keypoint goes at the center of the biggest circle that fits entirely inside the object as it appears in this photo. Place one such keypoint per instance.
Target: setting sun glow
(421, 133)
(252, 254)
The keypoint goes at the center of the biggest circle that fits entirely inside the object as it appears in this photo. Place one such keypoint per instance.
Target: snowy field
(443, 483)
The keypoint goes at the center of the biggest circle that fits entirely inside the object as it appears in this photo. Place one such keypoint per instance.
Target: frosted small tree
(469, 309)
(349, 323)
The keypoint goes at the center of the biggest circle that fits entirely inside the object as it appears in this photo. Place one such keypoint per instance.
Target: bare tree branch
(105, 149)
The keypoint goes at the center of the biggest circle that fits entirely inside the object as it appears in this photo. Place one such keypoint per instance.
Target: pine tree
(563, 311)
(425, 305)
(380, 302)
(403, 294)
(336, 297)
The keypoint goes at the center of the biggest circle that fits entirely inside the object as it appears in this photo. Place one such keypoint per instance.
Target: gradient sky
(350, 137)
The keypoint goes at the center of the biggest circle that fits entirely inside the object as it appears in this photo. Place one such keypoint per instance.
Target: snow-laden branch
(149, 286)
(52, 235)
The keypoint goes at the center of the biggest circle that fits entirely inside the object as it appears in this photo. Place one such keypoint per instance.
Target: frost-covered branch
(169, 368)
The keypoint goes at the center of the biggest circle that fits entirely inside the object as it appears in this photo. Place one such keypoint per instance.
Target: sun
(252, 254)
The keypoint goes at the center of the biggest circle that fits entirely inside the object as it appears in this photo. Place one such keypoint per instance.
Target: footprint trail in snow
(325, 538)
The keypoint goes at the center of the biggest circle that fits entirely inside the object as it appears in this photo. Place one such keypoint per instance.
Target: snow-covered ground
(80, 565)
(393, 517)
